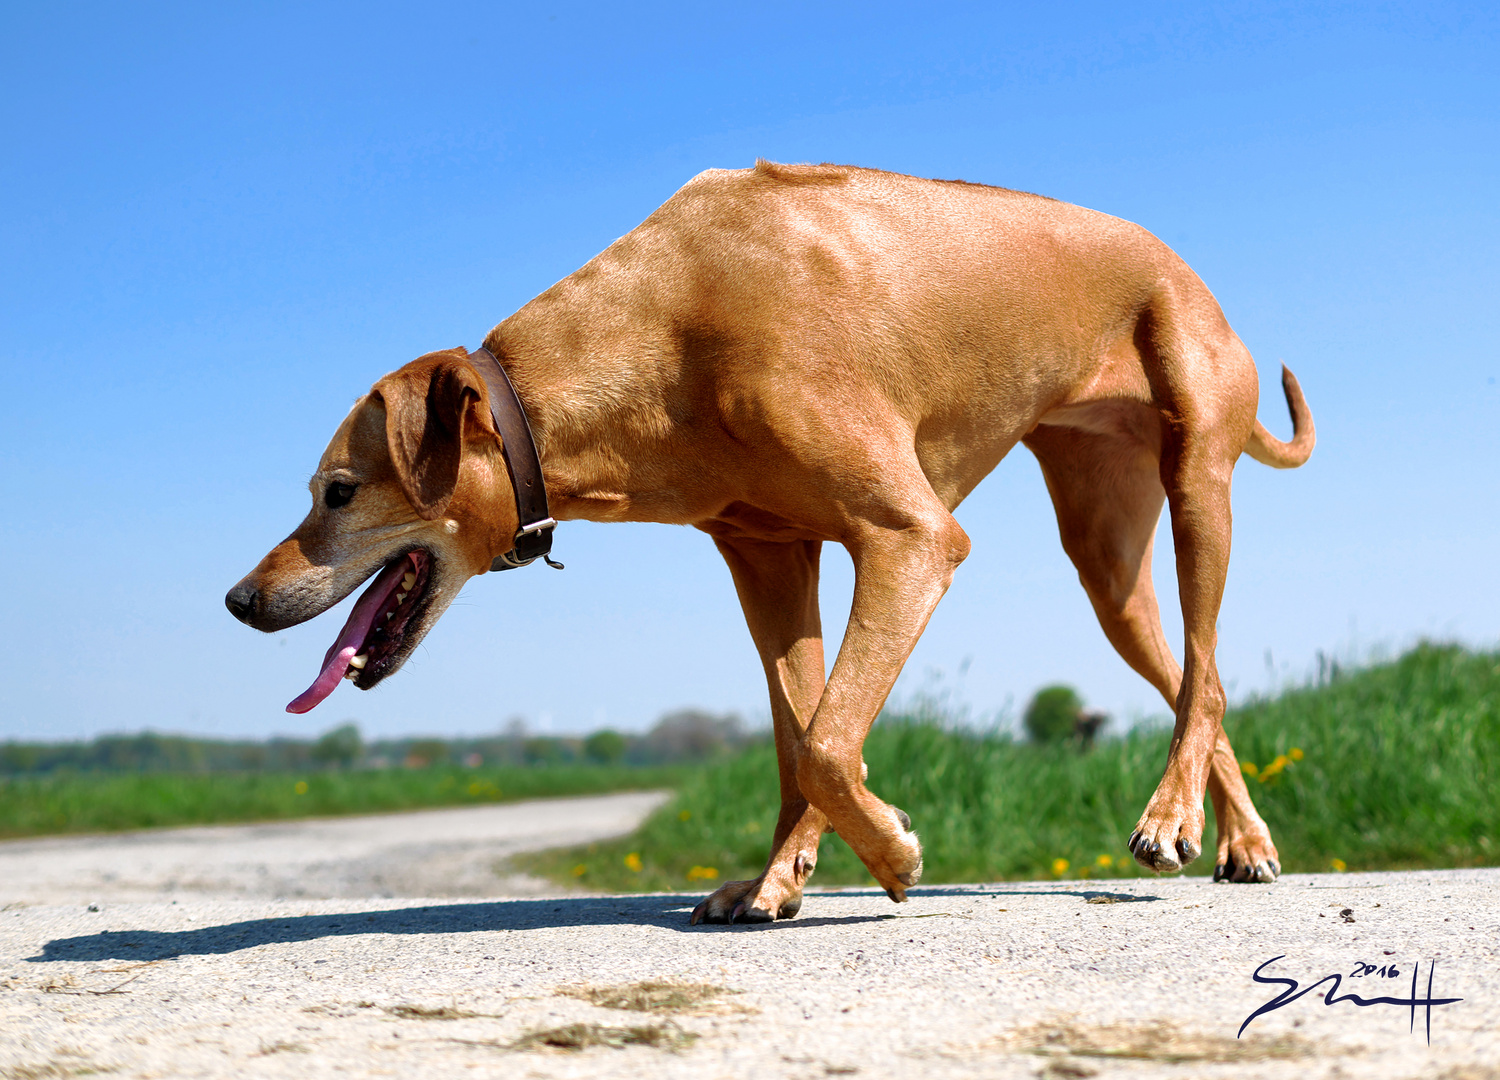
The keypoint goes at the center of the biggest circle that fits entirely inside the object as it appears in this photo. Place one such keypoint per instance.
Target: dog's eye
(339, 495)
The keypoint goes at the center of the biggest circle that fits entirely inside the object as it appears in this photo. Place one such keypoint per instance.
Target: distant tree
(1052, 715)
(286, 755)
(424, 752)
(605, 746)
(19, 757)
(541, 750)
(250, 756)
(340, 747)
(692, 734)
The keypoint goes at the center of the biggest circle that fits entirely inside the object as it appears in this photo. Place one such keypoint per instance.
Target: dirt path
(431, 853)
(1138, 978)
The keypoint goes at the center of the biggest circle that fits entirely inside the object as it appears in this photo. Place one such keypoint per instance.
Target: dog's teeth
(389, 615)
(360, 661)
(400, 598)
(408, 581)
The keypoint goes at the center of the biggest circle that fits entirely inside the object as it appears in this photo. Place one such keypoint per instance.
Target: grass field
(106, 802)
(1392, 766)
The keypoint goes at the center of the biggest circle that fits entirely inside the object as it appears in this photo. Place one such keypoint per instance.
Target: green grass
(107, 802)
(1399, 768)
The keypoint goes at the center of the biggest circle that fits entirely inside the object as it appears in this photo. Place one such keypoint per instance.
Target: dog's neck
(589, 395)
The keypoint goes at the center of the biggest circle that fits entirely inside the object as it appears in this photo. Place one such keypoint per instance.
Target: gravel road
(429, 853)
(1132, 978)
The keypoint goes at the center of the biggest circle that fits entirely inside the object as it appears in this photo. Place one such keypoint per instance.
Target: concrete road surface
(1133, 978)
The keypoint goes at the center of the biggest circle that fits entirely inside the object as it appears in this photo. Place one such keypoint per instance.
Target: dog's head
(413, 492)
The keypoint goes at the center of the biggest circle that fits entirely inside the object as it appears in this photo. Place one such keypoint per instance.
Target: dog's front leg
(903, 562)
(778, 589)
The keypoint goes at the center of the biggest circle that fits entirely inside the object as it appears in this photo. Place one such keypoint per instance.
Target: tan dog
(792, 354)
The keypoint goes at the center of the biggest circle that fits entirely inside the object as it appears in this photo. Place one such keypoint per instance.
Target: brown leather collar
(534, 535)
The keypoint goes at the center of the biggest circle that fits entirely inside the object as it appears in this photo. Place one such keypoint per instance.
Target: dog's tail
(1269, 450)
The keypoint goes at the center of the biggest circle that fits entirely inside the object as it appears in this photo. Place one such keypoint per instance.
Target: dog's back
(963, 313)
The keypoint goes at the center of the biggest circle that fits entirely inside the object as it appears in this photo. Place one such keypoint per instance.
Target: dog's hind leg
(1207, 416)
(905, 546)
(1107, 492)
(778, 589)
(1106, 488)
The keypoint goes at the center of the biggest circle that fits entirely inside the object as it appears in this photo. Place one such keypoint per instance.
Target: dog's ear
(431, 406)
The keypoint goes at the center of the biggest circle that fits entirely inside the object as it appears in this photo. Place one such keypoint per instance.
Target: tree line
(684, 735)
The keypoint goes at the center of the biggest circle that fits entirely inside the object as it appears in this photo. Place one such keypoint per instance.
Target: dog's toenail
(790, 908)
(707, 913)
(903, 817)
(743, 914)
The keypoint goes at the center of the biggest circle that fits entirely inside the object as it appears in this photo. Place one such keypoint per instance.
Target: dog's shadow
(668, 911)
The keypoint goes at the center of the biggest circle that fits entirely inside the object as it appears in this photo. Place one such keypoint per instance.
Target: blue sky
(218, 227)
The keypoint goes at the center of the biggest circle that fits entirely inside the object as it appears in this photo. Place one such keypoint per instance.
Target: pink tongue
(327, 679)
(336, 663)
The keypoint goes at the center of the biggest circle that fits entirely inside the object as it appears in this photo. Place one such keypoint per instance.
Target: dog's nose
(240, 601)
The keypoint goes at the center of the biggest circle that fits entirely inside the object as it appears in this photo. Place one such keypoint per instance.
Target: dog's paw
(1167, 838)
(771, 896)
(896, 859)
(1248, 857)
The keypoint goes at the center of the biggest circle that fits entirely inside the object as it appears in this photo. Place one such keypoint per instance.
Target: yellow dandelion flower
(1104, 861)
(1248, 768)
(633, 862)
(1295, 753)
(301, 787)
(1338, 864)
(475, 787)
(1059, 867)
(703, 873)
(580, 870)
(683, 815)
(1281, 762)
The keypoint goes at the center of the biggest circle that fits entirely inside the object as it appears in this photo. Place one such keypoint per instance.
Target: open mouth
(365, 650)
